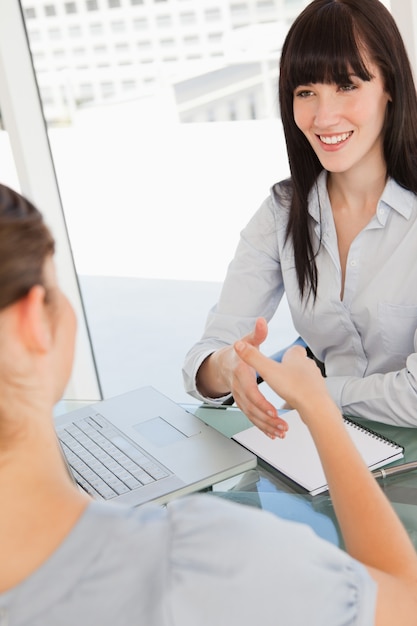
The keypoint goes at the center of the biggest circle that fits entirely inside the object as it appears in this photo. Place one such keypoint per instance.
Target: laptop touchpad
(158, 432)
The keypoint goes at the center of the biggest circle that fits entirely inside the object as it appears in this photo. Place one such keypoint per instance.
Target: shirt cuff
(190, 382)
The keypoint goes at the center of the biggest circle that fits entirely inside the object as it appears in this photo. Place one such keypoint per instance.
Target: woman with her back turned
(67, 560)
(339, 237)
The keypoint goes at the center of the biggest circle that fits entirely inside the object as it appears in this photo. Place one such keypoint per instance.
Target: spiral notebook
(296, 456)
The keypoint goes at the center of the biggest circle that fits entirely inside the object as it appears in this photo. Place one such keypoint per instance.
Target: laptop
(141, 446)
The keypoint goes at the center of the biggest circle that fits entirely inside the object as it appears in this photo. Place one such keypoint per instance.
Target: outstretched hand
(297, 379)
(246, 391)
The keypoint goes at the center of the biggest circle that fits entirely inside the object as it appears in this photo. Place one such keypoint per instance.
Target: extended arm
(223, 371)
(390, 398)
(372, 532)
(253, 287)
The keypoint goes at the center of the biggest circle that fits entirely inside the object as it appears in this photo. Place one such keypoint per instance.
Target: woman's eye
(303, 93)
(347, 87)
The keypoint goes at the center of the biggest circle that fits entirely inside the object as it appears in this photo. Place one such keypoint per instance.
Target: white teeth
(335, 139)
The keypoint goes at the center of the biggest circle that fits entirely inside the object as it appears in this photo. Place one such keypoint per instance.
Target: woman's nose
(327, 112)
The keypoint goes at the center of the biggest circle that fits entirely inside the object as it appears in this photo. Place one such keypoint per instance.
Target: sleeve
(388, 398)
(253, 288)
(232, 564)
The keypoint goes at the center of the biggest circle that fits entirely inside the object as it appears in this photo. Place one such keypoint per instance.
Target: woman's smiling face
(343, 122)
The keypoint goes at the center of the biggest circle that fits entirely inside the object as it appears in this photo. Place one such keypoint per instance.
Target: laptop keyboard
(104, 462)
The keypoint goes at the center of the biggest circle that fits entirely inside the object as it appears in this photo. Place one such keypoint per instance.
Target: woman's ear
(34, 320)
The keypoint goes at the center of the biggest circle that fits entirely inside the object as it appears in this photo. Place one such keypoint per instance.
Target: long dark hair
(25, 243)
(325, 43)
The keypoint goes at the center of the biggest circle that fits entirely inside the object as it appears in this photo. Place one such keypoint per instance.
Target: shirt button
(353, 263)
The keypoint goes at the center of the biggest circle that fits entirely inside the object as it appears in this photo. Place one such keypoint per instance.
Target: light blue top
(367, 340)
(200, 561)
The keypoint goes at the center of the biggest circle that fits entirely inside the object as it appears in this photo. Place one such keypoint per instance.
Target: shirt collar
(394, 197)
(398, 198)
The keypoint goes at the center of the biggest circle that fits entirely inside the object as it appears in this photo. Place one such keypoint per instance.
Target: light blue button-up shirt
(367, 339)
(200, 561)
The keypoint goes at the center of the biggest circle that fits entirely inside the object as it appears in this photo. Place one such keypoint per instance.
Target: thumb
(251, 356)
(259, 333)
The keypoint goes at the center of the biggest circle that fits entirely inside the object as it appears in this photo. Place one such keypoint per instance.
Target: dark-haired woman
(339, 237)
(69, 561)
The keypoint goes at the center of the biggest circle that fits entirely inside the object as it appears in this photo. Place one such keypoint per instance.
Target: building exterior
(218, 57)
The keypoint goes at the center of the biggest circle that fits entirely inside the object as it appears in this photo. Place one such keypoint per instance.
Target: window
(54, 34)
(144, 45)
(188, 18)
(191, 41)
(212, 15)
(74, 32)
(34, 36)
(122, 47)
(128, 85)
(107, 89)
(163, 21)
(252, 107)
(239, 9)
(86, 92)
(78, 52)
(155, 37)
(58, 54)
(232, 111)
(118, 27)
(50, 10)
(167, 43)
(96, 28)
(30, 13)
(70, 7)
(140, 24)
(215, 37)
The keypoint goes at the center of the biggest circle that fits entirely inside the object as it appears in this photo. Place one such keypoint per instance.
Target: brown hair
(25, 243)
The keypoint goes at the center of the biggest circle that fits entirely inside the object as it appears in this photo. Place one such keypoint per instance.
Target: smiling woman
(344, 125)
(336, 117)
(338, 235)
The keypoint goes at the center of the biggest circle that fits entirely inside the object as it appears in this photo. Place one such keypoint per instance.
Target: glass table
(266, 488)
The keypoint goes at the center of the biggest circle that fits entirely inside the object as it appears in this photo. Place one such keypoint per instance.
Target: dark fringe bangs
(326, 50)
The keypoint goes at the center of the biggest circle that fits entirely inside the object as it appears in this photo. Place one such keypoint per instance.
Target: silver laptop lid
(140, 446)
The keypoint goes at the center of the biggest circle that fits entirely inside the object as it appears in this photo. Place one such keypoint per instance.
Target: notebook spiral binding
(372, 433)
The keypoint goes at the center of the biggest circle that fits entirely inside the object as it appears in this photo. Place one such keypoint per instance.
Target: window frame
(23, 118)
(22, 113)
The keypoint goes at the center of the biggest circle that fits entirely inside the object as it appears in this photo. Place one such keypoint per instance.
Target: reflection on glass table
(268, 489)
